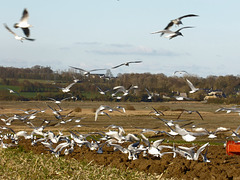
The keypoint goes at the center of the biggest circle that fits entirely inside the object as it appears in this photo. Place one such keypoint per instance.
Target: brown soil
(222, 166)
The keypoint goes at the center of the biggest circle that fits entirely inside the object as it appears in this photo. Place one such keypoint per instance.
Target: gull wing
(25, 16)
(26, 31)
(78, 68)
(133, 62)
(145, 140)
(99, 89)
(169, 25)
(190, 85)
(119, 87)
(65, 98)
(196, 155)
(52, 99)
(148, 92)
(162, 31)
(184, 28)
(236, 134)
(180, 72)
(97, 70)
(118, 66)
(70, 85)
(199, 114)
(188, 15)
(157, 111)
(5, 25)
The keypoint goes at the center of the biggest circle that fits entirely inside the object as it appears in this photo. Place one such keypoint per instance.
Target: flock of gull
(24, 25)
(57, 144)
(115, 136)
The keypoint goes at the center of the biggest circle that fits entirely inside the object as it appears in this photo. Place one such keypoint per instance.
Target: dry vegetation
(17, 164)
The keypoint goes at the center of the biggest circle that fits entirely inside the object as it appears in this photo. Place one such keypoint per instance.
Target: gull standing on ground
(23, 24)
(16, 36)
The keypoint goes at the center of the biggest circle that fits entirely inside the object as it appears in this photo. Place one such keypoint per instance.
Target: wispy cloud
(134, 50)
(120, 45)
(100, 48)
(88, 43)
(64, 48)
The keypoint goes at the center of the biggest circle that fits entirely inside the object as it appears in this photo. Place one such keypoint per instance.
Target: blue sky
(104, 33)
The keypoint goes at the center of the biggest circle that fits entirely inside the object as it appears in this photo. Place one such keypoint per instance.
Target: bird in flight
(192, 87)
(171, 34)
(67, 89)
(12, 91)
(180, 72)
(178, 21)
(23, 24)
(16, 36)
(126, 64)
(85, 72)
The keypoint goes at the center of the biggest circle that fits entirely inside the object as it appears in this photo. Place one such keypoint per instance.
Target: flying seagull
(12, 91)
(100, 110)
(189, 112)
(126, 64)
(150, 95)
(123, 90)
(24, 23)
(85, 72)
(171, 34)
(16, 36)
(180, 72)
(178, 21)
(67, 89)
(58, 101)
(193, 88)
(101, 91)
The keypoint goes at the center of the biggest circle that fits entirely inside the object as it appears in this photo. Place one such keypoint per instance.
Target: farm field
(137, 116)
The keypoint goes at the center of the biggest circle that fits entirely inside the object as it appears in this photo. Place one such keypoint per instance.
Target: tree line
(41, 79)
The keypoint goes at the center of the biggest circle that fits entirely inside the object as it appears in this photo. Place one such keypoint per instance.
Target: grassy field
(139, 117)
(17, 164)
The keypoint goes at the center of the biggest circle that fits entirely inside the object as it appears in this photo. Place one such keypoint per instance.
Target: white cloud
(134, 50)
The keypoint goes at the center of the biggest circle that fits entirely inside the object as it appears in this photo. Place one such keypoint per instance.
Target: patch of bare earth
(221, 166)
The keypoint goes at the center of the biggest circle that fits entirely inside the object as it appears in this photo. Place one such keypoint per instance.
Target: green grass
(15, 88)
(17, 164)
(31, 80)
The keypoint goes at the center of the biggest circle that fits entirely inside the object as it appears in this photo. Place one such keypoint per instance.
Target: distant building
(215, 94)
